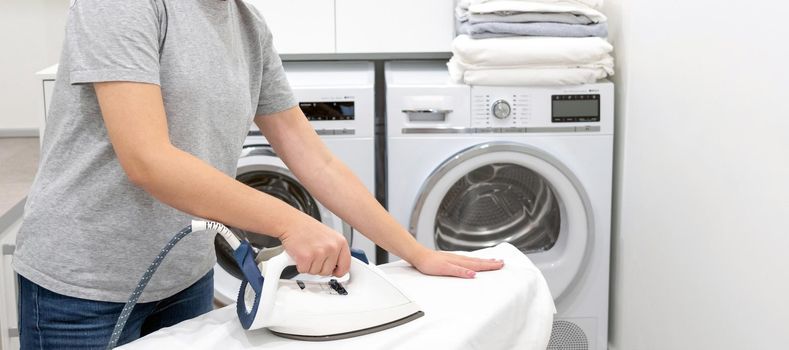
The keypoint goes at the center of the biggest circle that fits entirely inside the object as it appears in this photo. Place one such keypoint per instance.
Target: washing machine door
(260, 168)
(508, 192)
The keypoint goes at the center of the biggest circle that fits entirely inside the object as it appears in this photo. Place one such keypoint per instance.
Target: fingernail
(470, 273)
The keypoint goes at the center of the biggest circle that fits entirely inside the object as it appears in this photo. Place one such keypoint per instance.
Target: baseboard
(31, 132)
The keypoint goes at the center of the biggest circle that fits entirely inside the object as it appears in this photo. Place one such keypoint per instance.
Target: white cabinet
(299, 26)
(359, 26)
(386, 26)
(9, 332)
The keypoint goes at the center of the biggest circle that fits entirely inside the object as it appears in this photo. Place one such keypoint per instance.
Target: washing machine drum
(497, 203)
(279, 185)
(498, 192)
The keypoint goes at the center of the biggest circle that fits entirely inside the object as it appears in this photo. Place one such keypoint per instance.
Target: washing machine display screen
(575, 108)
(322, 111)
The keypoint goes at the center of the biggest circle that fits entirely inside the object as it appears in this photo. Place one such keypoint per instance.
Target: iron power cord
(196, 226)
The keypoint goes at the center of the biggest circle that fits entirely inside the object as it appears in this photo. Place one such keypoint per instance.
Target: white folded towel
(526, 76)
(597, 4)
(530, 60)
(516, 6)
(606, 64)
(530, 51)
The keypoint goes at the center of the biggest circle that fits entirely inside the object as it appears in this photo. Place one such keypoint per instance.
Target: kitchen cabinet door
(299, 26)
(371, 26)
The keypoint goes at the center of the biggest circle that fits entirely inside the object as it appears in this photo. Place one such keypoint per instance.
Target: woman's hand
(435, 263)
(317, 249)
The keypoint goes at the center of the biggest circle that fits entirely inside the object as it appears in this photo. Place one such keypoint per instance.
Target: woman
(153, 101)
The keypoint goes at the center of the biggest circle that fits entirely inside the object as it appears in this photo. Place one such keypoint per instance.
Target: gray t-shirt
(90, 233)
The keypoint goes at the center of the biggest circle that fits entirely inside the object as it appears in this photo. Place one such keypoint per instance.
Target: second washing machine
(470, 167)
(338, 99)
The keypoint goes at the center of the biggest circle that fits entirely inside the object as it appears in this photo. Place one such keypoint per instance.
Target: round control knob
(501, 109)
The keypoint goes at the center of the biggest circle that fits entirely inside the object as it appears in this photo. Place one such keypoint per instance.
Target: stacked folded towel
(535, 42)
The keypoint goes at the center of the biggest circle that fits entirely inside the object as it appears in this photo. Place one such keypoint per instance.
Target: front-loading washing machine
(470, 167)
(338, 98)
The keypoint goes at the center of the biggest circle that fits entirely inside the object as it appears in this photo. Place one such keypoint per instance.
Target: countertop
(48, 73)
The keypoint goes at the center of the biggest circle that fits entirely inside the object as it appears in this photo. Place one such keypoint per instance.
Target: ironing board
(507, 309)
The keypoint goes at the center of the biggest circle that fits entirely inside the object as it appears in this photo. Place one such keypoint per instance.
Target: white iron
(292, 305)
(315, 308)
(309, 307)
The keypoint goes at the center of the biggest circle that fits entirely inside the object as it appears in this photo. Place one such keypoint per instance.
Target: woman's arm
(334, 185)
(137, 125)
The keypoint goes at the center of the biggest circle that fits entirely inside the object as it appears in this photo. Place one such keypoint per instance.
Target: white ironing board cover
(507, 309)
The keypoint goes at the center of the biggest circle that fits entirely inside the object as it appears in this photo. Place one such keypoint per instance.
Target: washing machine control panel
(497, 110)
(328, 110)
(512, 109)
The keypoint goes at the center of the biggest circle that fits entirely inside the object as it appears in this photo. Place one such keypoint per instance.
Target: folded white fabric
(530, 60)
(520, 6)
(516, 6)
(591, 3)
(606, 63)
(520, 76)
(598, 4)
(530, 51)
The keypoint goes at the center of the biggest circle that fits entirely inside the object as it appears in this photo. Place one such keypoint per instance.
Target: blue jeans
(48, 320)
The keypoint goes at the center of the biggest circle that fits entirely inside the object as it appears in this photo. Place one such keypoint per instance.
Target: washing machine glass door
(508, 192)
(260, 168)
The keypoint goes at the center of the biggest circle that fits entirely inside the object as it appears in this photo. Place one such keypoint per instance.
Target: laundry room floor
(18, 165)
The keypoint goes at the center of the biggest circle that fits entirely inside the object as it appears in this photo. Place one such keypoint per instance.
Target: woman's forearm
(333, 184)
(345, 195)
(187, 183)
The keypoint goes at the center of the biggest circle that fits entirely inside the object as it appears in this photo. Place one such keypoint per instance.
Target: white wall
(31, 33)
(701, 248)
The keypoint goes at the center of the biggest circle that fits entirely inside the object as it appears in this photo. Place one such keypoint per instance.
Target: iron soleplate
(351, 334)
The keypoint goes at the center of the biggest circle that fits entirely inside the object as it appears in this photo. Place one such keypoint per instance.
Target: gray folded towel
(499, 29)
(528, 17)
